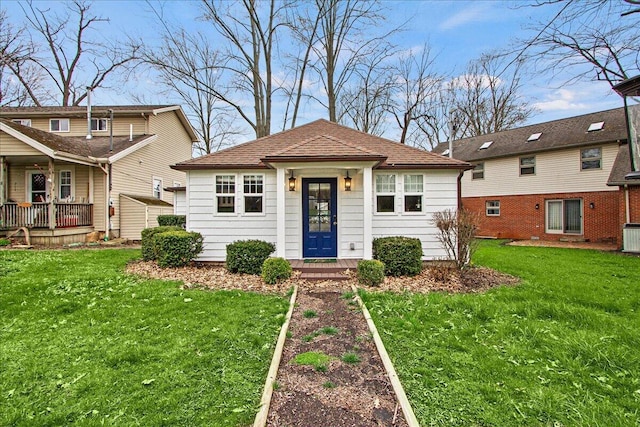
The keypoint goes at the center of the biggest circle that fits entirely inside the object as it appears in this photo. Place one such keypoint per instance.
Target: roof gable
(321, 141)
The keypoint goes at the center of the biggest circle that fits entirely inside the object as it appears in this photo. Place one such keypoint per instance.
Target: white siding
(180, 203)
(440, 193)
(218, 230)
(556, 172)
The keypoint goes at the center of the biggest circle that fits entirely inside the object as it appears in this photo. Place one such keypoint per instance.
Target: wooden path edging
(409, 416)
(265, 401)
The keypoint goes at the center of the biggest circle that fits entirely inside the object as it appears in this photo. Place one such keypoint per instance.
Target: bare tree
(366, 101)
(487, 97)
(250, 34)
(343, 43)
(65, 56)
(589, 39)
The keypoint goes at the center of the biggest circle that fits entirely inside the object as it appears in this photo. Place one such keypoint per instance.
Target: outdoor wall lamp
(592, 205)
(537, 206)
(292, 182)
(347, 182)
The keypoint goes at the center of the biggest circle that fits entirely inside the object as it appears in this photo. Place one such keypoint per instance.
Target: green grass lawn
(561, 349)
(83, 343)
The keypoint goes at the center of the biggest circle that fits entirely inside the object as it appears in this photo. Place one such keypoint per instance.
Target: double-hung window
(253, 186)
(157, 188)
(478, 171)
(385, 193)
(65, 184)
(225, 193)
(413, 190)
(591, 158)
(528, 165)
(59, 125)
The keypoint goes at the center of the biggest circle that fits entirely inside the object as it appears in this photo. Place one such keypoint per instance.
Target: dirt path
(350, 387)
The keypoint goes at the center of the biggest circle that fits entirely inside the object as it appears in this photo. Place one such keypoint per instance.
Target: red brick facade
(634, 204)
(520, 219)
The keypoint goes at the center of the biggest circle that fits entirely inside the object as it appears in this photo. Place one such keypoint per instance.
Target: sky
(457, 32)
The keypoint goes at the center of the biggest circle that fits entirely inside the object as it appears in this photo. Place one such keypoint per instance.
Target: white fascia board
(30, 142)
(133, 148)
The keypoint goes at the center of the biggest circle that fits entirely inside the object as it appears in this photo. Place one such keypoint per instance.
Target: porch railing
(36, 215)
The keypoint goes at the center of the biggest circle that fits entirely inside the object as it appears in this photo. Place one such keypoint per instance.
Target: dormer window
(485, 145)
(99, 125)
(534, 137)
(595, 126)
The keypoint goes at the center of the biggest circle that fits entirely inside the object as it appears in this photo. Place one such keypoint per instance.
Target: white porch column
(368, 212)
(280, 213)
(51, 195)
(3, 181)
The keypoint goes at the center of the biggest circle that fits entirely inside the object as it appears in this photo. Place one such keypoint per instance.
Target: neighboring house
(320, 190)
(560, 180)
(64, 181)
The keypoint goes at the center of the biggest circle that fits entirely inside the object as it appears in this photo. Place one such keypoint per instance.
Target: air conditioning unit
(631, 238)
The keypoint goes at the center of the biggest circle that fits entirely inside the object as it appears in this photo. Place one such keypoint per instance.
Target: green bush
(370, 272)
(177, 248)
(5, 242)
(402, 256)
(247, 256)
(275, 270)
(148, 248)
(176, 220)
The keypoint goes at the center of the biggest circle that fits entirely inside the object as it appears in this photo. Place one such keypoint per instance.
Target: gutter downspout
(627, 211)
(460, 174)
(89, 135)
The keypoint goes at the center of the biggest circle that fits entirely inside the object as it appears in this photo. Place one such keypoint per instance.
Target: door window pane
(572, 217)
(38, 187)
(554, 216)
(319, 195)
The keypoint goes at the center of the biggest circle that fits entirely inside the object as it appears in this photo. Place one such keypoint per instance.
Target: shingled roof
(622, 167)
(96, 110)
(98, 147)
(554, 135)
(321, 141)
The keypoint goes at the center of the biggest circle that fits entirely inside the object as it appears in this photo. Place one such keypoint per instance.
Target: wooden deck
(324, 270)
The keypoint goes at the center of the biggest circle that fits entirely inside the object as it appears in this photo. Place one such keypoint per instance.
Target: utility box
(631, 238)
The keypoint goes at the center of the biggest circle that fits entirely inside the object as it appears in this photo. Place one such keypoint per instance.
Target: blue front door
(319, 218)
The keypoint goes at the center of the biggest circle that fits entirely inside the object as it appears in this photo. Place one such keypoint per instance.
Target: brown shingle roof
(77, 145)
(321, 140)
(96, 110)
(557, 134)
(621, 167)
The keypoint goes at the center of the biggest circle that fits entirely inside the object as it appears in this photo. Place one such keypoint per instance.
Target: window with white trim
(65, 184)
(253, 189)
(23, 122)
(385, 193)
(157, 188)
(564, 216)
(591, 158)
(413, 190)
(528, 165)
(225, 193)
(492, 207)
(99, 125)
(478, 171)
(59, 125)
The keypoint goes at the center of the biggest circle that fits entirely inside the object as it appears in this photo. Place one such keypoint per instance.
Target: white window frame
(533, 166)
(23, 122)
(98, 122)
(256, 194)
(61, 128)
(385, 193)
(562, 214)
(491, 206)
(591, 159)
(234, 181)
(412, 193)
(70, 185)
(478, 168)
(153, 187)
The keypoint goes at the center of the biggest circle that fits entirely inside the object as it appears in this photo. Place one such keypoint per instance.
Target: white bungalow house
(320, 190)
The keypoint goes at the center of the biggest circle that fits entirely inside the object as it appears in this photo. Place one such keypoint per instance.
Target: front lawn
(562, 348)
(83, 343)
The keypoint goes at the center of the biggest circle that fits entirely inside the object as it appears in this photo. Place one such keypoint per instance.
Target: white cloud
(473, 13)
(562, 100)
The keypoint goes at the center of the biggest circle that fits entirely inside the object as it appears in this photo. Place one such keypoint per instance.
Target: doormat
(320, 261)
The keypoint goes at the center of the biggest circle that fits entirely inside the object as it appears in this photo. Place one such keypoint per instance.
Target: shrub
(5, 242)
(175, 220)
(148, 248)
(370, 272)
(401, 256)
(456, 234)
(177, 248)
(275, 270)
(442, 270)
(247, 256)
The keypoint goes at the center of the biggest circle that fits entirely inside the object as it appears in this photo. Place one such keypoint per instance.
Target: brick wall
(634, 203)
(519, 218)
